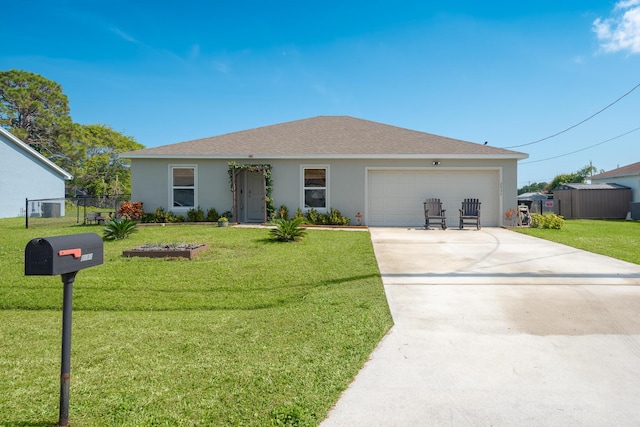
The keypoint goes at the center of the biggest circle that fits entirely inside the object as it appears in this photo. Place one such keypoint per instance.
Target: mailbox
(50, 256)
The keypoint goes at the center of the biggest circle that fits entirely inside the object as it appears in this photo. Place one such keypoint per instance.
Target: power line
(577, 124)
(582, 149)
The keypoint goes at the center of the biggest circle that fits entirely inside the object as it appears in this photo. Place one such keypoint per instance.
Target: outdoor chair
(470, 213)
(433, 210)
(95, 217)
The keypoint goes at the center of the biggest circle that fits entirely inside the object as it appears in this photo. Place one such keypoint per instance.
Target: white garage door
(395, 197)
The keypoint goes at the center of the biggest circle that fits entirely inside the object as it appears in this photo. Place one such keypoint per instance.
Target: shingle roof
(632, 169)
(326, 136)
(533, 196)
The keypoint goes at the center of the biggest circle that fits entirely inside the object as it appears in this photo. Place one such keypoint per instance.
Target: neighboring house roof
(591, 187)
(327, 137)
(534, 196)
(632, 169)
(33, 153)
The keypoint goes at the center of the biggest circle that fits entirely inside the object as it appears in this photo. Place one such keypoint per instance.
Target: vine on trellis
(268, 181)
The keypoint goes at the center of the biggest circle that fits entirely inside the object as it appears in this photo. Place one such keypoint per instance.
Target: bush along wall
(313, 217)
(552, 221)
(193, 215)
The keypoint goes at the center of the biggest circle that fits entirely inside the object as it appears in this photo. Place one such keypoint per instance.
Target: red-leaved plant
(131, 210)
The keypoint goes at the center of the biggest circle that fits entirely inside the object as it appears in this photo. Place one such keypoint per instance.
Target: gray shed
(592, 201)
(537, 202)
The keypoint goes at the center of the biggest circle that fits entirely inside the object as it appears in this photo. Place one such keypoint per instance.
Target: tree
(35, 110)
(577, 177)
(536, 187)
(92, 157)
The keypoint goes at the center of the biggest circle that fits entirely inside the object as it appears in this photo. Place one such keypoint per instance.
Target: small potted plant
(223, 221)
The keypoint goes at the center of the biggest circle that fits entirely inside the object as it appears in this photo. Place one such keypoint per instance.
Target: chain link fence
(71, 210)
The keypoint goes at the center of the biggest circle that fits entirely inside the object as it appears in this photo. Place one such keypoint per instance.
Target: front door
(254, 196)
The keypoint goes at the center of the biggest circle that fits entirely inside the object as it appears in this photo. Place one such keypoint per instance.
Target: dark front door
(254, 193)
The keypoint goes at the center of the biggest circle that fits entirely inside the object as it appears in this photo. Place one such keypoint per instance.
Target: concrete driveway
(495, 328)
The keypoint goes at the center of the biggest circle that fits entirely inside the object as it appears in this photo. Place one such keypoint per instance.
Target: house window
(315, 187)
(183, 187)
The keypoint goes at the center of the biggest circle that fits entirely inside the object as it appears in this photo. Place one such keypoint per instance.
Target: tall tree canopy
(571, 178)
(92, 157)
(533, 188)
(35, 110)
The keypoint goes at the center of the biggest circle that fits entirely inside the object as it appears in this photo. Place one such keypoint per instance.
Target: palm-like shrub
(288, 230)
(118, 229)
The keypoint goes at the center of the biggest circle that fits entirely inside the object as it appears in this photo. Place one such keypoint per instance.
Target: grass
(615, 238)
(251, 332)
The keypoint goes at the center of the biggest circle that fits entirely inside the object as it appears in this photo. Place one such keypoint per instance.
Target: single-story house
(628, 176)
(592, 201)
(378, 173)
(27, 174)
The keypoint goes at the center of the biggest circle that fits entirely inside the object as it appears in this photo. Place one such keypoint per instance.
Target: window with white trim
(183, 187)
(315, 187)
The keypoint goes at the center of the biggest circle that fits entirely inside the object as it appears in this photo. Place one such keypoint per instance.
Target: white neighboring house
(628, 175)
(25, 173)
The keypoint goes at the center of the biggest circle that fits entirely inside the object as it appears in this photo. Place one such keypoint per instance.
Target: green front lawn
(251, 332)
(614, 238)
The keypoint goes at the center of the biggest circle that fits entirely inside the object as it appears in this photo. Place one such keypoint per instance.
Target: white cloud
(626, 4)
(621, 31)
(123, 35)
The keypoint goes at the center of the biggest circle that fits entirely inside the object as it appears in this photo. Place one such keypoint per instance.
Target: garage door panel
(396, 197)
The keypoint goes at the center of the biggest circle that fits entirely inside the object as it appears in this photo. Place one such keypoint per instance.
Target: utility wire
(577, 124)
(582, 149)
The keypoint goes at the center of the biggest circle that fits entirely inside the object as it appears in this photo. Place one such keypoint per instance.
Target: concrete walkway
(495, 328)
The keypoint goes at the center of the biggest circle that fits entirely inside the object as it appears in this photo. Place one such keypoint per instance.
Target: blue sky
(505, 72)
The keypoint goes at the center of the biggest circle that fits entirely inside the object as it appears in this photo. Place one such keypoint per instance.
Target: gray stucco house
(25, 173)
(382, 172)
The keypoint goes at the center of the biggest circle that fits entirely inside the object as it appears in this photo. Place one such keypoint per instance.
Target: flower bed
(162, 250)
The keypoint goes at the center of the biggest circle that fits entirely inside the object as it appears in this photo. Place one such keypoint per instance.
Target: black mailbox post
(65, 256)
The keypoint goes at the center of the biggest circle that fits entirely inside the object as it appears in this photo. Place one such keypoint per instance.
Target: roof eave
(326, 156)
(25, 147)
(622, 175)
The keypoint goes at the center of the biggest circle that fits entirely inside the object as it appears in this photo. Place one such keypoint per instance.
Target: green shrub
(313, 216)
(147, 217)
(119, 229)
(333, 217)
(547, 221)
(159, 216)
(195, 215)
(554, 221)
(212, 215)
(288, 230)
